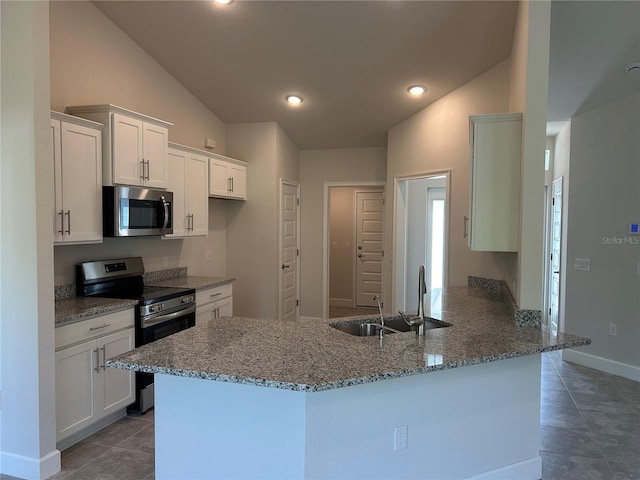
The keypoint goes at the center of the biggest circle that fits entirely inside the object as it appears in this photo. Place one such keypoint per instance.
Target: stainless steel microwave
(136, 212)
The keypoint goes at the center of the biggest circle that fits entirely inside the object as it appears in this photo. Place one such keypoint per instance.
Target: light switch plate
(583, 264)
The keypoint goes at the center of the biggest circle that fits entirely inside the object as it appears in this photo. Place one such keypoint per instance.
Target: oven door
(133, 211)
(158, 327)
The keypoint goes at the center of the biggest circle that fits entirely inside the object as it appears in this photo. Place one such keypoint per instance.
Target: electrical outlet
(582, 264)
(613, 329)
(400, 438)
(165, 262)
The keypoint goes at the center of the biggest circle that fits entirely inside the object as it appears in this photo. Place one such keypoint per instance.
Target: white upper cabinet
(77, 160)
(187, 180)
(137, 147)
(496, 143)
(227, 177)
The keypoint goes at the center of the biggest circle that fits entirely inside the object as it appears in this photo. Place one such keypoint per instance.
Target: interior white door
(556, 240)
(289, 251)
(369, 216)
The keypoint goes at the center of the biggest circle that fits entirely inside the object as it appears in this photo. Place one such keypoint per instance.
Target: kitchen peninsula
(257, 398)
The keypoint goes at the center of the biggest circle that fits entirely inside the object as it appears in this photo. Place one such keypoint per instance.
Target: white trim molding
(30, 467)
(603, 364)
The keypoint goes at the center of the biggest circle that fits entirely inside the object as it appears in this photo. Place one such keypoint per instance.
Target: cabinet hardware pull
(465, 232)
(104, 356)
(231, 184)
(61, 231)
(68, 221)
(97, 367)
(215, 295)
(100, 327)
(148, 170)
(142, 173)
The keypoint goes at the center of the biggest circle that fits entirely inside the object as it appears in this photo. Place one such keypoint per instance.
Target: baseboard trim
(91, 429)
(603, 364)
(28, 467)
(341, 302)
(530, 469)
(310, 318)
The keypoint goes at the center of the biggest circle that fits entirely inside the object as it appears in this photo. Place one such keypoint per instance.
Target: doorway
(555, 242)
(353, 247)
(420, 237)
(289, 250)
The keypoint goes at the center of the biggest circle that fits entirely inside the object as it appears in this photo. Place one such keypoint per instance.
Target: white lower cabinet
(214, 303)
(87, 391)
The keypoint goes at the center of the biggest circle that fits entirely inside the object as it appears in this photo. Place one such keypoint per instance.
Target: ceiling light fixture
(294, 99)
(416, 90)
(223, 2)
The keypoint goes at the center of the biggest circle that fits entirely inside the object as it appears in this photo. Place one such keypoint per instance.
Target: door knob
(359, 247)
(557, 271)
(359, 255)
(285, 266)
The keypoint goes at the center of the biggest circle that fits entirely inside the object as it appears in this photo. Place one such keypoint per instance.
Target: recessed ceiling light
(416, 90)
(223, 2)
(293, 99)
(632, 67)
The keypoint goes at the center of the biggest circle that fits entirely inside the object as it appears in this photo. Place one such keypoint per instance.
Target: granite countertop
(310, 355)
(197, 283)
(77, 309)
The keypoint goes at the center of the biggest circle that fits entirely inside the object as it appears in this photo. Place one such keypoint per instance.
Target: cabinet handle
(61, 231)
(68, 221)
(142, 173)
(213, 295)
(231, 184)
(100, 327)
(465, 232)
(97, 367)
(192, 222)
(148, 170)
(104, 356)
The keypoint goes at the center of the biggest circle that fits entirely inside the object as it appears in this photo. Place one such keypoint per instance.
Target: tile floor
(590, 430)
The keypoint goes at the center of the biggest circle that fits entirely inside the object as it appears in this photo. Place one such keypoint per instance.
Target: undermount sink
(398, 325)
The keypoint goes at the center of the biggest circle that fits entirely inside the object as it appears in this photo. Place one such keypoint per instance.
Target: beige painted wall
(604, 199)
(252, 226)
(27, 427)
(94, 62)
(436, 139)
(528, 89)
(316, 168)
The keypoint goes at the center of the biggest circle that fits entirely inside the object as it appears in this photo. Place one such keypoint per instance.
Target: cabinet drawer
(213, 294)
(93, 328)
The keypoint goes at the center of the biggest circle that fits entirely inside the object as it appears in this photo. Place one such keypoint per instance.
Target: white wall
(436, 139)
(28, 448)
(604, 198)
(528, 94)
(252, 226)
(341, 232)
(316, 168)
(94, 62)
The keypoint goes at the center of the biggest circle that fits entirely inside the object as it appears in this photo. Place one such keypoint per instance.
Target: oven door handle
(169, 316)
(165, 205)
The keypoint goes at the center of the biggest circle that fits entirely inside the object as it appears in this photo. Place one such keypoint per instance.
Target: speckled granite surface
(64, 291)
(152, 278)
(312, 356)
(522, 317)
(198, 283)
(76, 309)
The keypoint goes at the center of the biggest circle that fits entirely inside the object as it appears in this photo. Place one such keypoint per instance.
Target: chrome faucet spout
(377, 299)
(422, 290)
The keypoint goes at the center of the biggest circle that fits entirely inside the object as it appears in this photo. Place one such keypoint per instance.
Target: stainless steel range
(161, 311)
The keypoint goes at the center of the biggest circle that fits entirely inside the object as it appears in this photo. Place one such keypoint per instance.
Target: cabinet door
(224, 307)
(196, 191)
(58, 212)
(118, 387)
(81, 158)
(219, 182)
(204, 313)
(127, 150)
(176, 184)
(76, 387)
(155, 146)
(238, 174)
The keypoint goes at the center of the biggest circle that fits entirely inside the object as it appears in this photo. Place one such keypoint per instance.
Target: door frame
(280, 259)
(399, 251)
(325, 234)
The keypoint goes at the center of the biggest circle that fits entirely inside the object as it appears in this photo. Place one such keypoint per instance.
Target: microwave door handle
(165, 205)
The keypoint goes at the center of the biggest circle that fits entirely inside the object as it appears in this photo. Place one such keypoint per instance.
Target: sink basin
(397, 325)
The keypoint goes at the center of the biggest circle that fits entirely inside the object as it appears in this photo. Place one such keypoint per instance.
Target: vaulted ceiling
(352, 61)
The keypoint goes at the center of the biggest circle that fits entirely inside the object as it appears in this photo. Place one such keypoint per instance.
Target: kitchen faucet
(419, 319)
(377, 299)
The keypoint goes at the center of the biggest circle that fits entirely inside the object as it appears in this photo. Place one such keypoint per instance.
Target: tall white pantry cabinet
(135, 146)
(496, 144)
